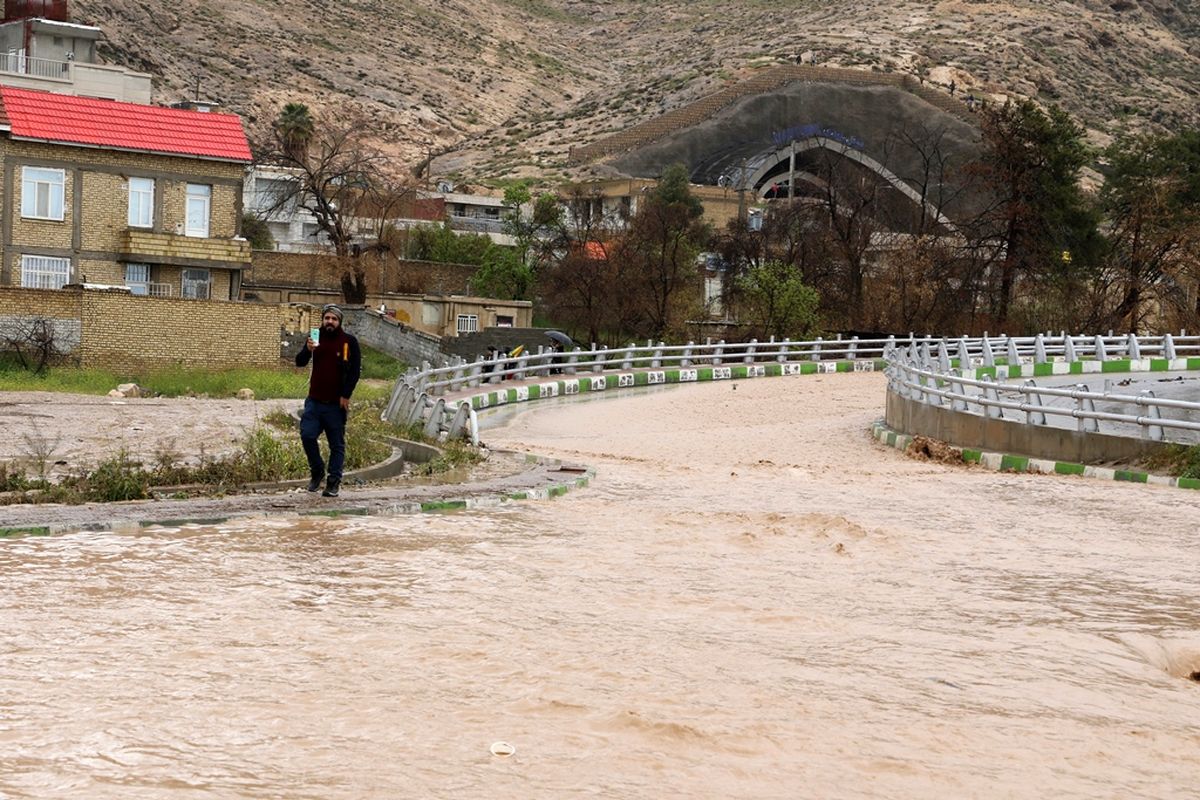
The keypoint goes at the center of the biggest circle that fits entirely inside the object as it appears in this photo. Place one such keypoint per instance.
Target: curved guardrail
(963, 376)
(971, 401)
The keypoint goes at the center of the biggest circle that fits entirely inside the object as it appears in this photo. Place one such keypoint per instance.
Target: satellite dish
(445, 186)
(723, 181)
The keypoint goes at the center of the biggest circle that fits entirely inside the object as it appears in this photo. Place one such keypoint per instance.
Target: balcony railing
(38, 67)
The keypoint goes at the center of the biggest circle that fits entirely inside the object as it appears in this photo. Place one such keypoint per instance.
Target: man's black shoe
(331, 489)
(314, 485)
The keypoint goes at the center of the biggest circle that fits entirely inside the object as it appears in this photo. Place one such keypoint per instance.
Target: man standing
(336, 364)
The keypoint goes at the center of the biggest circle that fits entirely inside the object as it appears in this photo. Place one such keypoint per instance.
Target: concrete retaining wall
(1007, 436)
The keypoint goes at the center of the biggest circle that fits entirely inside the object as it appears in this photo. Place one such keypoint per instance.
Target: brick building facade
(120, 194)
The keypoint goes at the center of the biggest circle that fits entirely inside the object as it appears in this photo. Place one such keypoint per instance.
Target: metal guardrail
(917, 366)
(918, 373)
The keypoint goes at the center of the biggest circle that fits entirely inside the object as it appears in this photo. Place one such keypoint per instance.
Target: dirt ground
(73, 431)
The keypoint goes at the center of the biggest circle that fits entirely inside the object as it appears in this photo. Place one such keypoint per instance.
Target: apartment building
(120, 194)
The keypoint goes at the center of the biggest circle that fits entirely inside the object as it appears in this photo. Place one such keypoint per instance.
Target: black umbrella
(560, 338)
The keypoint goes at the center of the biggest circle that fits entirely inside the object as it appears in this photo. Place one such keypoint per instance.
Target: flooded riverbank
(752, 599)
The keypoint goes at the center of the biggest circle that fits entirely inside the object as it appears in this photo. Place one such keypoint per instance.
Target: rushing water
(752, 600)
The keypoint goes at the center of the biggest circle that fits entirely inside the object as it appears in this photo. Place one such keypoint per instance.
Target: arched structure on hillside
(767, 167)
(909, 149)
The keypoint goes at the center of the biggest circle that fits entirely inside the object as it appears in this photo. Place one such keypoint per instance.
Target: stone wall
(394, 338)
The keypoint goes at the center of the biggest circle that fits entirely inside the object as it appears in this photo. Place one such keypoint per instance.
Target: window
(42, 193)
(43, 272)
(141, 202)
(137, 278)
(196, 284)
(503, 321)
(199, 200)
(467, 323)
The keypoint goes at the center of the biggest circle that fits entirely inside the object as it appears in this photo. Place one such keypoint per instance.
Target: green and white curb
(1003, 462)
(493, 500)
(585, 384)
(1003, 371)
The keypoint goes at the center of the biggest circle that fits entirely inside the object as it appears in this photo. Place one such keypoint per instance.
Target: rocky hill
(501, 88)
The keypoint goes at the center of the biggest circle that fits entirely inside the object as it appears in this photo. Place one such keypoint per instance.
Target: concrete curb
(554, 478)
(1004, 462)
(584, 384)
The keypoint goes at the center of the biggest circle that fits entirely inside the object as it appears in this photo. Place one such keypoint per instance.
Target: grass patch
(380, 366)
(1177, 460)
(267, 384)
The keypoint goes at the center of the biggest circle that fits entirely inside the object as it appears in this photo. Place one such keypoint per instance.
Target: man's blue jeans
(330, 418)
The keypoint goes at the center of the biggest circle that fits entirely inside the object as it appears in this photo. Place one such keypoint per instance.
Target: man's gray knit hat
(333, 309)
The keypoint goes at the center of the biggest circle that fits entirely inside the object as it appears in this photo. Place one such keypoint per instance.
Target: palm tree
(295, 128)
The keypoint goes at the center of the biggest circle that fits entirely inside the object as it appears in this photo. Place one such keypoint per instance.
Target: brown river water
(752, 599)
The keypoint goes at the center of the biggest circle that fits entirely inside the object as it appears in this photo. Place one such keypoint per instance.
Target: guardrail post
(569, 368)
(1013, 356)
(989, 358)
(1034, 416)
(458, 376)
(889, 346)
(460, 420)
(1168, 346)
(1152, 431)
(656, 361)
(1085, 404)
(1039, 349)
(1135, 350)
(959, 401)
(816, 350)
(475, 371)
(751, 349)
(433, 425)
(417, 412)
(627, 364)
(685, 360)
(943, 356)
(1069, 353)
(1099, 348)
(718, 351)
(783, 352)
(598, 364)
(990, 393)
(964, 354)
(852, 355)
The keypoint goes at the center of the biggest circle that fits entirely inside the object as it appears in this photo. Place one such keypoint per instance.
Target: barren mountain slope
(504, 86)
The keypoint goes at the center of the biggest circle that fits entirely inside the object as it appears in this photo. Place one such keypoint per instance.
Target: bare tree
(335, 176)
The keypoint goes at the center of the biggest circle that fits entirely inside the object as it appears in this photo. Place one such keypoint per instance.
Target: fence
(920, 370)
(924, 383)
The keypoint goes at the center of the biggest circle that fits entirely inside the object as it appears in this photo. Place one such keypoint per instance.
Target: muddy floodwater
(752, 599)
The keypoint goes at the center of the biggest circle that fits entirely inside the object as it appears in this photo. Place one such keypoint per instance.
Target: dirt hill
(502, 87)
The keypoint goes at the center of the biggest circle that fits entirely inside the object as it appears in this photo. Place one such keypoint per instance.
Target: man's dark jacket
(336, 365)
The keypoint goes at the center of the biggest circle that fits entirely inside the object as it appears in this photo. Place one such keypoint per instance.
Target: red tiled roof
(72, 120)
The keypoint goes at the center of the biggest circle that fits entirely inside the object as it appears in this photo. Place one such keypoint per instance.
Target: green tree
(660, 247)
(504, 275)
(294, 128)
(441, 244)
(1151, 197)
(1031, 164)
(257, 233)
(777, 302)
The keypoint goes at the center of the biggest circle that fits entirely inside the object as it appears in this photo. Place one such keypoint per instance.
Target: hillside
(502, 87)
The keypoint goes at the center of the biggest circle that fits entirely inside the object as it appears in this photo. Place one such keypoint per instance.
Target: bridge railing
(433, 396)
(975, 385)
